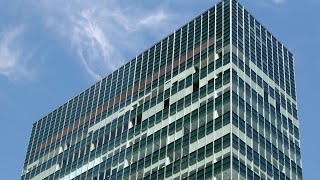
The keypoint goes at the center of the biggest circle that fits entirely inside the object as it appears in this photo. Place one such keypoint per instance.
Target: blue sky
(52, 50)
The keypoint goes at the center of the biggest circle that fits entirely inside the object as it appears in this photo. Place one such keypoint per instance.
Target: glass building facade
(214, 100)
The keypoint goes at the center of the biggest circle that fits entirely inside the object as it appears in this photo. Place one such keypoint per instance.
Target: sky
(50, 51)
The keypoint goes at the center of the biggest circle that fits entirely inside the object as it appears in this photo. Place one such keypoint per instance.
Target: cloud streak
(103, 34)
(13, 60)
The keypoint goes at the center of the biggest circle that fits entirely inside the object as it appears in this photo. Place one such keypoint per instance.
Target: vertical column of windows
(275, 60)
(193, 125)
(93, 142)
(258, 44)
(44, 127)
(63, 160)
(144, 150)
(61, 145)
(96, 97)
(73, 160)
(178, 152)
(78, 108)
(226, 22)
(137, 115)
(114, 133)
(264, 50)
(45, 135)
(107, 91)
(40, 137)
(67, 154)
(292, 77)
(133, 73)
(31, 148)
(32, 154)
(102, 91)
(269, 56)
(163, 56)
(72, 114)
(202, 122)
(51, 119)
(78, 134)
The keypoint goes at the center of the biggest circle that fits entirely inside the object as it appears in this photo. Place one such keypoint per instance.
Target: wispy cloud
(91, 44)
(102, 34)
(13, 60)
(154, 19)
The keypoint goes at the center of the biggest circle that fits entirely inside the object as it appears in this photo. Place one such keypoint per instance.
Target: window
(137, 120)
(196, 86)
(166, 103)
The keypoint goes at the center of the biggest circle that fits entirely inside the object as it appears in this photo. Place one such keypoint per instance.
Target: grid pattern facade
(265, 128)
(215, 99)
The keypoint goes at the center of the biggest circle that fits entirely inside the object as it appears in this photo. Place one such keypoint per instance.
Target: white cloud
(154, 19)
(91, 44)
(13, 60)
(102, 33)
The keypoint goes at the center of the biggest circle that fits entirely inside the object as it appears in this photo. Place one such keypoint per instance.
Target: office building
(215, 99)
